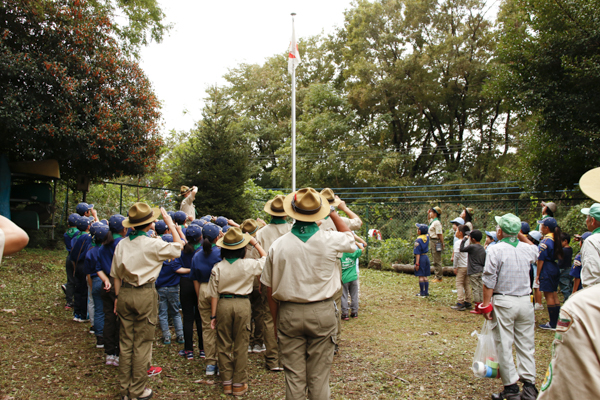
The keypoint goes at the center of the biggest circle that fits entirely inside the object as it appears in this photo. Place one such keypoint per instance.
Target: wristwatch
(331, 209)
(213, 317)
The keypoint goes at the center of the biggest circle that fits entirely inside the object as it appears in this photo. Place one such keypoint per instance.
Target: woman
(436, 235)
(548, 273)
(467, 216)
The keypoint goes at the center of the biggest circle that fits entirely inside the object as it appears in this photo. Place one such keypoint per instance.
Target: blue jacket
(91, 259)
(168, 275)
(68, 237)
(105, 255)
(202, 265)
(81, 245)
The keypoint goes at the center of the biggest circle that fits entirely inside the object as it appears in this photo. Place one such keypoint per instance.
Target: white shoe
(249, 349)
(259, 349)
(110, 359)
(538, 307)
(116, 361)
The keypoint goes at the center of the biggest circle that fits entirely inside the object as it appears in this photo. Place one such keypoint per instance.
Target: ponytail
(207, 247)
(468, 217)
(189, 246)
(109, 239)
(558, 250)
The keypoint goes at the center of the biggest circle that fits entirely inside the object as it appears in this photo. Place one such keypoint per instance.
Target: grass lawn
(400, 347)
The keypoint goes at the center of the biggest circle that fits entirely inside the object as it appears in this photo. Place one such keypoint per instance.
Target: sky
(210, 37)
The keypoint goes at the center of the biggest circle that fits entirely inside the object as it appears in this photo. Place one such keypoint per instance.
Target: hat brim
(585, 211)
(151, 218)
(268, 210)
(589, 184)
(335, 202)
(319, 215)
(223, 245)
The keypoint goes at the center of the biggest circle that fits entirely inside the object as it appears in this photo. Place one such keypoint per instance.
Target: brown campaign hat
(306, 205)
(250, 227)
(330, 196)
(140, 214)
(590, 184)
(437, 210)
(469, 210)
(550, 205)
(184, 190)
(274, 207)
(234, 239)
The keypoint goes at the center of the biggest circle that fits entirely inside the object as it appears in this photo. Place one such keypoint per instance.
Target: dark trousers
(111, 322)
(70, 280)
(189, 308)
(566, 282)
(81, 292)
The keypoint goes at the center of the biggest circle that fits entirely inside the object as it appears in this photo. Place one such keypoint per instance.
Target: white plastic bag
(485, 362)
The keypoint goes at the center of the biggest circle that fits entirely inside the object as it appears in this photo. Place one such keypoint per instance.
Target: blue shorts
(549, 277)
(424, 267)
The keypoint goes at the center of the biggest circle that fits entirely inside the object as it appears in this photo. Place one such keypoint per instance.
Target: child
(548, 273)
(230, 284)
(350, 281)
(576, 271)
(535, 237)
(461, 260)
(69, 287)
(91, 263)
(422, 263)
(490, 239)
(81, 244)
(161, 228)
(455, 224)
(566, 281)
(476, 262)
(167, 286)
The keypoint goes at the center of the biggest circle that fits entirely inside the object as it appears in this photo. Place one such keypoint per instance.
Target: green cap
(593, 211)
(509, 223)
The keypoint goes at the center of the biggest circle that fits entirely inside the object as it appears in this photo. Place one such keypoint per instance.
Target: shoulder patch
(543, 246)
(564, 322)
(416, 244)
(577, 263)
(547, 378)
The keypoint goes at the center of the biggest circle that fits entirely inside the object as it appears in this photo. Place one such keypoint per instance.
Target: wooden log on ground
(410, 269)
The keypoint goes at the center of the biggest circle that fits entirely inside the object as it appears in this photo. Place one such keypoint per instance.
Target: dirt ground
(400, 346)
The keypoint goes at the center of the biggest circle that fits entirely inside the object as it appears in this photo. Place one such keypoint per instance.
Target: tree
(551, 55)
(69, 93)
(218, 160)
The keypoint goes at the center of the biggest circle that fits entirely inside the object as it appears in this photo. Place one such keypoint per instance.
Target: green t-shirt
(349, 272)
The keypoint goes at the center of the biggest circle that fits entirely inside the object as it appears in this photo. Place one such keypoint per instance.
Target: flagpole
(293, 121)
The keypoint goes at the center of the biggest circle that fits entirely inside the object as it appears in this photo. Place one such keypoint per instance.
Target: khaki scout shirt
(236, 278)
(251, 252)
(574, 371)
(140, 260)
(2, 241)
(590, 261)
(354, 224)
(306, 272)
(435, 229)
(270, 233)
(187, 205)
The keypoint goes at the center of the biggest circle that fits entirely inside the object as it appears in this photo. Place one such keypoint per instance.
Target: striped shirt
(507, 268)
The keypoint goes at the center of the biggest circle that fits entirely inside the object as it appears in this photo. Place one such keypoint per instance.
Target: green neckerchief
(304, 230)
(231, 260)
(196, 246)
(137, 234)
(435, 219)
(512, 240)
(72, 232)
(213, 245)
(597, 230)
(327, 217)
(182, 226)
(116, 235)
(277, 221)
(94, 244)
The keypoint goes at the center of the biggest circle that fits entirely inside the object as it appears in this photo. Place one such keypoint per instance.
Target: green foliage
(391, 251)
(69, 93)
(256, 197)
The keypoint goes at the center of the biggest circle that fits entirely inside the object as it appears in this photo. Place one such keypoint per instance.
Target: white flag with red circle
(294, 54)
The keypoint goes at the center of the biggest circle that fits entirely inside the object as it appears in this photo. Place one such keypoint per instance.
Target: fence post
(367, 230)
(517, 208)
(121, 201)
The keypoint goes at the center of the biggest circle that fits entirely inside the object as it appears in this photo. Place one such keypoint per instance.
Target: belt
(511, 295)
(308, 302)
(144, 286)
(233, 296)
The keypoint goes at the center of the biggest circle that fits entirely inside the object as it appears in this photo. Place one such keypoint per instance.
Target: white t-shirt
(461, 259)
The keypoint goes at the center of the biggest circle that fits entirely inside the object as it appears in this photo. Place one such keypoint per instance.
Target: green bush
(391, 251)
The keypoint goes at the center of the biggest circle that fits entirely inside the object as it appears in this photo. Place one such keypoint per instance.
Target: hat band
(331, 201)
(141, 219)
(276, 209)
(304, 211)
(233, 244)
(254, 231)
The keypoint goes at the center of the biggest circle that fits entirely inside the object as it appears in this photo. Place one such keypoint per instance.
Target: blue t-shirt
(202, 265)
(105, 255)
(81, 245)
(68, 237)
(546, 254)
(186, 260)
(168, 275)
(421, 245)
(91, 260)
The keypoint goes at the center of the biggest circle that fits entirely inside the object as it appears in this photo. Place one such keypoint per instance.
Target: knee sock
(421, 287)
(426, 287)
(553, 311)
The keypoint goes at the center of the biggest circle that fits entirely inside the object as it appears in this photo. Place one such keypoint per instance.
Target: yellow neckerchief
(549, 236)
(424, 238)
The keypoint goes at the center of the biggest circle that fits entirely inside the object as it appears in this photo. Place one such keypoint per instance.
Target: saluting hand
(166, 217)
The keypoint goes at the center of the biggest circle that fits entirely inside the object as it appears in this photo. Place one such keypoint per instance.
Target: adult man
(506, 291)
(436, 235)
(302, 274)
(187, 204)
(590, 252)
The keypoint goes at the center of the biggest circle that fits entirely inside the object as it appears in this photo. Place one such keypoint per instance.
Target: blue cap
(160, 226)
(221, 221)
(458, 220)
(171, 214)
(104, 221)
(199, 222)
(537, 235)
(193, 233)
(210, 231)
(585, 236)
(422, 228)
(207, 217)
(225, 228)
(492, 235)
(525, 228)
(94, 226)
(179, 217)
(82, 208)
(101, 232)
(83, 223)
(549, 222)
(167, 238)
(115, 222)
(72, 220)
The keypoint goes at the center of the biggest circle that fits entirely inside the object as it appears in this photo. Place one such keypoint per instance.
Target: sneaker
(240, 390)
(116, 361)
(547, 327)
(202, 354)
(458, 306)
(249, 349)
(92, 330)
(68, 306)
(146, 395)
(77, 318)
(506, 395)
(529, 392)
(468, 306)
(354, 315)
(276, 369)
(211, 370)
(153, 371)
(538, 307)
(64, 288)
(109, 359)
(189, 354)
(166, 340)
(421, 295)
(227, 389)
(259, 349)
(345, 317)
(180, 340)
(99, 342)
